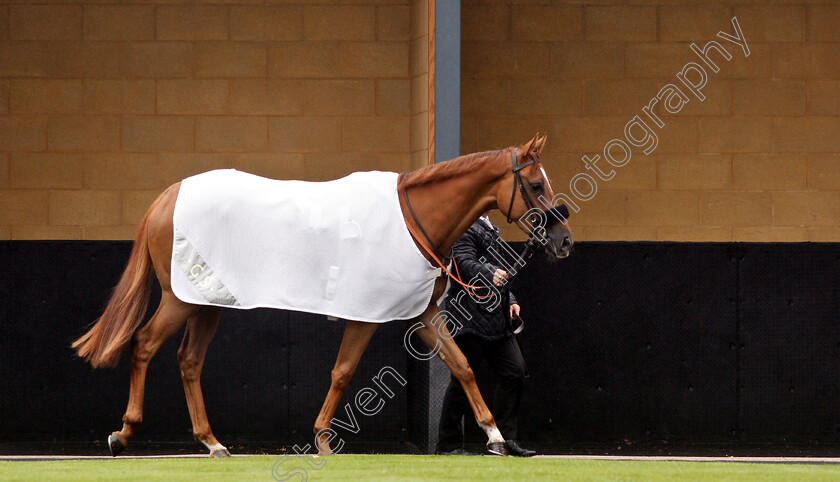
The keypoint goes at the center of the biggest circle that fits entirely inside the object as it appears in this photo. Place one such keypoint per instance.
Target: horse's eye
(537, 186)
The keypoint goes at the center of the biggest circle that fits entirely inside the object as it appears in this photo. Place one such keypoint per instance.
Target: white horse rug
(338, 248)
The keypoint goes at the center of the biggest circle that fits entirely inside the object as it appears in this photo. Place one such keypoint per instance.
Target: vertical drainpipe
(430, 379)
(444, 144)
(445, 74)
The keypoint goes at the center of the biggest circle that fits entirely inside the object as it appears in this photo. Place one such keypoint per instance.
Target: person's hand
(514, 310)
(499, 277)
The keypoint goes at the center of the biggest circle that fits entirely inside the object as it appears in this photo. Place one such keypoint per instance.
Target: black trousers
(506, 363)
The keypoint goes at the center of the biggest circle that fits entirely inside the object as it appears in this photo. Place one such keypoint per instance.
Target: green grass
(410, 467)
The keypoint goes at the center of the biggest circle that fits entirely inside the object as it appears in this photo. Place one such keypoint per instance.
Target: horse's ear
(526, 148)
(538, 146)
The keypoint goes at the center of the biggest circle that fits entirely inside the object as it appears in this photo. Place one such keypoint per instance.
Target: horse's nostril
(566, 244)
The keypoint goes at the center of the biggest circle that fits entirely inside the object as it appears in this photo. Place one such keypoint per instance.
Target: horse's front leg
(357, 335)
(438, 338)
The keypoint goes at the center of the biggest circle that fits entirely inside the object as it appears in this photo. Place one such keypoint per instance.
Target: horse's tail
(105, 341)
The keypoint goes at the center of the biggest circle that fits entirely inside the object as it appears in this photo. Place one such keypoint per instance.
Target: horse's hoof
(115, 444)
(219, 453)
(496, 448)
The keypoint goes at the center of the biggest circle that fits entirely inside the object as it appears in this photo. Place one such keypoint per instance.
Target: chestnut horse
(445, 199)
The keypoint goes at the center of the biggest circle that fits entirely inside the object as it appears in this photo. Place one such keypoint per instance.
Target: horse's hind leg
(356, 337)
(200, 330)
(169, 317)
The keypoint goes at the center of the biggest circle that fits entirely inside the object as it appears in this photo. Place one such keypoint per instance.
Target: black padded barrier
(790, 342)
(631, 341)
(680, 342)
(265, 375)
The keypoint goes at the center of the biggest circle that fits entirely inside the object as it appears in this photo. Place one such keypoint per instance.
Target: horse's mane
(445, 170)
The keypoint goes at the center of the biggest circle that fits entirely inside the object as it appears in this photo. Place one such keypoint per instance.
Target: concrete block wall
(757, 160)
(422, 83)
(103, 106)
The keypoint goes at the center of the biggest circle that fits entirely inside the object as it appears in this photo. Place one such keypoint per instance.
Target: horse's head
(526, 198)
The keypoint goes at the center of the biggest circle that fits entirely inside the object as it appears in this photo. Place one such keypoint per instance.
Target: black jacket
(468, 253)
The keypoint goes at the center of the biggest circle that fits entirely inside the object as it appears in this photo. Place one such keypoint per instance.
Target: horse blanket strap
(444, 260)
(338, 248)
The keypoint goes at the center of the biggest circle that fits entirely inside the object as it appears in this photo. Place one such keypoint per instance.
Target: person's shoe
(496, 448)
(515, 449)
(458, 451)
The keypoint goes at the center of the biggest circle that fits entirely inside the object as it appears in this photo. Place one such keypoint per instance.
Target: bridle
(557, 212)
(517, 181)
